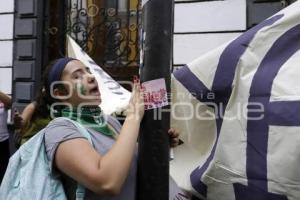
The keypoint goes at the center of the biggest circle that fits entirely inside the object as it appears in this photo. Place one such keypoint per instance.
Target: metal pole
(153, 159)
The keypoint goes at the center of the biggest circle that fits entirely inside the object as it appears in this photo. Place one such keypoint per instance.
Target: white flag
(238, 109)
(114, 97)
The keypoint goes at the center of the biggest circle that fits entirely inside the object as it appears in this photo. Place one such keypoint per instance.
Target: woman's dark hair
(44, 99)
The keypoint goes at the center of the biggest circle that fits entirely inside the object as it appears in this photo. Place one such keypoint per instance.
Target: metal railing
(106, 29)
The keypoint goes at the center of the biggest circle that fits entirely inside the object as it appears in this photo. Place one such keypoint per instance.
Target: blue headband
(57, 69)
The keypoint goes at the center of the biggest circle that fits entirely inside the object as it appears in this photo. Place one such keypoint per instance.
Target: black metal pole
(153, 159)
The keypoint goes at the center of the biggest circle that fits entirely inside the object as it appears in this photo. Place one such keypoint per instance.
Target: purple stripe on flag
(283, 113)
(251, 193)
(189, 80)
(197, 184)
(222, 84)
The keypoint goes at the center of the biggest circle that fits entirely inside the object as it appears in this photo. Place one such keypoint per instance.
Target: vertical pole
(153, 159)
(63, 6)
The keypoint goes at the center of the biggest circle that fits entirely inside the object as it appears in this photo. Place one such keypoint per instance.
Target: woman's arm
(28, 112)
(22, 121)
(5, 99)
(103, 174)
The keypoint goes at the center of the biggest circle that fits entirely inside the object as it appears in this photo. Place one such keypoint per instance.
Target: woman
(34, 118)
(107, 169)
(5, 104)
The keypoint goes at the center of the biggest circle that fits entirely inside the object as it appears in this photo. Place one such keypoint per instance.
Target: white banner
(114, 97)
(238, 109)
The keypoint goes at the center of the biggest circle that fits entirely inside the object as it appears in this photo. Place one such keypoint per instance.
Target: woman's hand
(6, 100)
(136, 105)
(18, 120)
(23, 121)
(174, 137)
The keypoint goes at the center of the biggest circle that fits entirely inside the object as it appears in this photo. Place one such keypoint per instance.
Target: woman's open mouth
(95, 91)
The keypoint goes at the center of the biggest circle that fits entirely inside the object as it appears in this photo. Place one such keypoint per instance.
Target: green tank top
(35, 127)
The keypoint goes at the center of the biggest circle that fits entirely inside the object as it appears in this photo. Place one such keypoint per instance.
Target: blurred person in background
(5, 104)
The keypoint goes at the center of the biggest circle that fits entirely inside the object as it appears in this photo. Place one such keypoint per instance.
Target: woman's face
(80, 84)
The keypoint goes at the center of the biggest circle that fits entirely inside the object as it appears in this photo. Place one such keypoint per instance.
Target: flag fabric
(238, 111)
(114, 98)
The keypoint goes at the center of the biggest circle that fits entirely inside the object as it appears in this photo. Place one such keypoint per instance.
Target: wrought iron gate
(106, 29)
